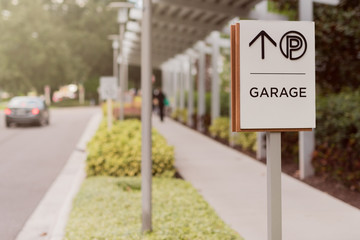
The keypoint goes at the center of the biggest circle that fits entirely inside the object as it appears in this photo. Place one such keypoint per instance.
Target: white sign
(108, 88)
(277, 75)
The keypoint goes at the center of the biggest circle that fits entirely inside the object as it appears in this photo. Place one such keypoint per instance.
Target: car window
(25, 103)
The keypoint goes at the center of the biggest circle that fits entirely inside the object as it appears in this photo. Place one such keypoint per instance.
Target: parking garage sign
(108, 88)
(275, 71)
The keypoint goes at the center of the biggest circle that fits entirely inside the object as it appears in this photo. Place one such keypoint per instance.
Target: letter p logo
(293, 45)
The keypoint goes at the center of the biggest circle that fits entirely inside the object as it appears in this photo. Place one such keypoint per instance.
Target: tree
(338, 46)
(337, 43)
(47, 42)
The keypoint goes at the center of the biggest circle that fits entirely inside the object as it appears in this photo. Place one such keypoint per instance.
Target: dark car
(27, 110)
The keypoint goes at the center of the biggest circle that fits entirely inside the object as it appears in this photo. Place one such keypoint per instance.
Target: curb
(48, 221)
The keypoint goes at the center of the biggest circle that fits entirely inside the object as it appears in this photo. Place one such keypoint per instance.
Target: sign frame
(235, 88)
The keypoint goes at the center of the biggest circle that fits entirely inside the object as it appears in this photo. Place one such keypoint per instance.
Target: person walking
(161, 103)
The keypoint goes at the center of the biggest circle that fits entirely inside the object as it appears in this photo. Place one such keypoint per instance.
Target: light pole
(122, 18)
(146, 146)
(115, 47)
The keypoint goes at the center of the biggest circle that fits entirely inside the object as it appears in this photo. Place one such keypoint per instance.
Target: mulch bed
(321, 183)
(326, 184)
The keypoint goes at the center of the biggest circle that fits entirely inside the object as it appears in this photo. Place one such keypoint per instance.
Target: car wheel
(42, 122)
(7, 123)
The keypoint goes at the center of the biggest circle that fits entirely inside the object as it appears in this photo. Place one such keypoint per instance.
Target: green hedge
(338, 138)
(180, 115)
(110, 208)
(220, 129)
(118, 152)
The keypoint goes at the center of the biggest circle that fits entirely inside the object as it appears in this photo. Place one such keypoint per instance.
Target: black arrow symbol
(262, 34)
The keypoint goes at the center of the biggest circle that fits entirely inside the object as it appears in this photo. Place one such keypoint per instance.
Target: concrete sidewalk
(235, 186)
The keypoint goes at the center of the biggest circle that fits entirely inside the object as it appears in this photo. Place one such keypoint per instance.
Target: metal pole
(201, 87)
(122, 74)
(146, 73)
(273, 164)
(109, 113)
(115, 64)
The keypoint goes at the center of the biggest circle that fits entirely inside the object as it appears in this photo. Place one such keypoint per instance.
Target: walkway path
(235, 186)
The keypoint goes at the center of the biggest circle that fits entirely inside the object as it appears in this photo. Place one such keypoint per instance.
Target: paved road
(30, 160)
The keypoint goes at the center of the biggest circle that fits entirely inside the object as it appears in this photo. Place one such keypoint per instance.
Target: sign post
(273, 91)
(273, 164)
(108, 91)
(146, 144)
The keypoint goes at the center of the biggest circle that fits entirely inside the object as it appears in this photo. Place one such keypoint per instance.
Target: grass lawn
(3, 105)
(108, 208)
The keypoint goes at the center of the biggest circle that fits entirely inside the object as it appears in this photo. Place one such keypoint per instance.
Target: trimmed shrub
(246, 140)
(290, 147)
(220, 129)
(118, 152)
(337, 152)
(180, 115)
(224, 103)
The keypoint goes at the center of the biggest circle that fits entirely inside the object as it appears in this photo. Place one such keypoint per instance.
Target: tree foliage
(337, 43)
(53, 42)
(338, 46)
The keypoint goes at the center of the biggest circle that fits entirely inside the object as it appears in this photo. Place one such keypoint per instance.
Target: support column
(190, 93)
(215, 83)
(261, 145)
(306, 139)
(122, 90)
(171, 88)
(165, 85)
(306, 149)
(146, 89)
(201, 87)
(126, 75)
(181, 86)
(231, 133)
(306, 10)
(175, 90)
